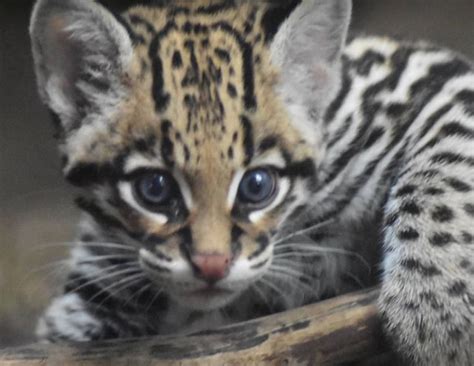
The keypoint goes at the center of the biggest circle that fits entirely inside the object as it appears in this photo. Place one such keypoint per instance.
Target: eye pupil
(154, 188)
(257, 186)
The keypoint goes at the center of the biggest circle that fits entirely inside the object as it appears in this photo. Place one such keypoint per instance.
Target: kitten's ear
(307, 46)
(81, 52)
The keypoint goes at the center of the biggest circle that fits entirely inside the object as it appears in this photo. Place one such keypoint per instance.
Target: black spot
(430, 298)
(145, 144)
(267, 143)
(406, 190)
(395, 110)
(415, 265)
(467, 237)
(452, 158)
(457, 184)
(187, 27)
(442, 239)
(408, 234)
(421, 329)
(177, 60)
(452, 356)
(215, 72)
(205, 43)
(469, 208)
(222, 54)
(455, 334)
(187, 154)
(391, 219)
(458, 288)
(235, 137)
(466, 97)
(442, 214)
(231, 90)
(230, 153)
(410, 208)
(465, 264)
(433, 191)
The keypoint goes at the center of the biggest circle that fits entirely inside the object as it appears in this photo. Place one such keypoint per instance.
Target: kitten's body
(374, 165)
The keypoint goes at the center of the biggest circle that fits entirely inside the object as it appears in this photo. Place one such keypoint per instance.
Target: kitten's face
(213, 164)
(196, 142)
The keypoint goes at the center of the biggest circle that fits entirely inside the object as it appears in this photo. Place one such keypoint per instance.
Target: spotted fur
(371, 145)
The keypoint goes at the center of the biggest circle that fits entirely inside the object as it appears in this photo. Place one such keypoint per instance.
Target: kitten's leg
(69, 319)
(427, 300)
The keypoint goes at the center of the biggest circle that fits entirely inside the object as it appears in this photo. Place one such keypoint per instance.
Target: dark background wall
(36, 214)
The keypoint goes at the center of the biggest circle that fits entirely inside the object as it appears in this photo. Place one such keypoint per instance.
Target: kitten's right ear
(81, 52)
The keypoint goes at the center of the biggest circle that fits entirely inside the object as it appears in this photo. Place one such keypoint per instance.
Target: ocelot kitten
(237, 158)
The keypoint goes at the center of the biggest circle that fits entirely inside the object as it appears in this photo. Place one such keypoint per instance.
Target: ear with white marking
(307, 46)
(81, 52)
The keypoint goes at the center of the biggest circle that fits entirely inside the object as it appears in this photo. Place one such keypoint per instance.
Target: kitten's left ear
(306, 45)
(81, 51)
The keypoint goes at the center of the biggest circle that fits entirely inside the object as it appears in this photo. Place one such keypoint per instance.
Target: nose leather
(211, 267)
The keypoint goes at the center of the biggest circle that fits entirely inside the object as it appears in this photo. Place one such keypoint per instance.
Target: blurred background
(36, 213)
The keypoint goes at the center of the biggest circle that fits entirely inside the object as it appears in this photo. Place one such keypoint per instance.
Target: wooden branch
(339, 330)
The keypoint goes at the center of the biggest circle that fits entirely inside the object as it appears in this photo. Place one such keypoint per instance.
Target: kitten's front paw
(67, 319)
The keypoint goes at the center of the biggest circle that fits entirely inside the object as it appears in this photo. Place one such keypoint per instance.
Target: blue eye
(155, 188)
(257, 186)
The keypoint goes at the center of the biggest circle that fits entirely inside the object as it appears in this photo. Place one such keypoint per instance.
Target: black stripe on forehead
(247, 139)
(140, 21)
(160, 97)
(250, 101)
(216, 8)
(167, 146)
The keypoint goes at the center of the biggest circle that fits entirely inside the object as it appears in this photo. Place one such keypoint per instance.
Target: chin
(205, 300)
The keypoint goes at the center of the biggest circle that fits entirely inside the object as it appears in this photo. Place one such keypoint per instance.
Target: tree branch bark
(343, 329)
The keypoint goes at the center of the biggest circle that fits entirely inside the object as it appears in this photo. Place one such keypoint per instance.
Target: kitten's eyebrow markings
(248, 139)
(160, 97)
(139, 21)
(250, 100)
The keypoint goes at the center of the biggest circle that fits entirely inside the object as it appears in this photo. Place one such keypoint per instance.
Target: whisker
(75, 244)
(138, 293)
(260, 293)
(295, 282)
(128, 281)
(154, 298)
(275, 288)
(129, 270)
(303, 231)
(306, 248)
(356, 279)
(291, 272)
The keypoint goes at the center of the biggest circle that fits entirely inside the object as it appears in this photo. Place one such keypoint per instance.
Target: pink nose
(211, 267)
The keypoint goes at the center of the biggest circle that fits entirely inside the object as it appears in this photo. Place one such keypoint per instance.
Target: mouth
(211, 291)
(206, 298)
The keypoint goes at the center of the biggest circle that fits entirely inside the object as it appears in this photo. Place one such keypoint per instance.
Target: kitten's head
(195, 127)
